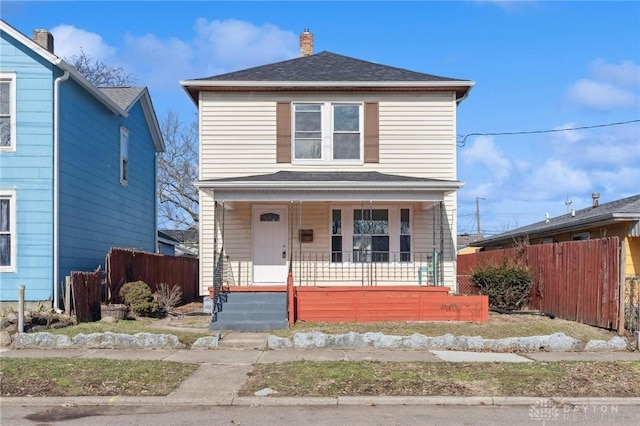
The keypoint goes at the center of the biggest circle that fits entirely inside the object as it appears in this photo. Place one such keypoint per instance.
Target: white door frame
(276, 275)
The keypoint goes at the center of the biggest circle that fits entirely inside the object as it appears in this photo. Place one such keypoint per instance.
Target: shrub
(137, 295)
(508, 287)
(168, 297)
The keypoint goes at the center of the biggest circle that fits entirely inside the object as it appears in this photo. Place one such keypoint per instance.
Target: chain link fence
(632, 304)
(466, 285)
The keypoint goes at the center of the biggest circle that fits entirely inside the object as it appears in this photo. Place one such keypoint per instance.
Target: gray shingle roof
(182, 235)
(288, 176)
(622, 209)
(327, 66)
(122, 96)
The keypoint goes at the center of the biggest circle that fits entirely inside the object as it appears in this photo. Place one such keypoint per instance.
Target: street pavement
(223, 371)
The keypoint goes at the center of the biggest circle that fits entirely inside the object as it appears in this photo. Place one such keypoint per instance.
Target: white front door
(270, 252)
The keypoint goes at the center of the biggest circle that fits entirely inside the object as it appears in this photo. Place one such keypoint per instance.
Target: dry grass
(90, 377)
(341, 378)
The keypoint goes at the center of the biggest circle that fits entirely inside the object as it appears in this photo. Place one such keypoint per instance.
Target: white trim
(327, 130)
(125, 168)
(11, 195)
(394, 218)
(240, 83)
(9, 76)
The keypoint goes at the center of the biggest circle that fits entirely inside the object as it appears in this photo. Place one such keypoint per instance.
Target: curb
(316, 401)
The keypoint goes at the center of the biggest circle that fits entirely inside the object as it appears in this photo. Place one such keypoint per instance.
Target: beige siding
(206, 241)
(417, 135)
(237, 225)
(238, 138)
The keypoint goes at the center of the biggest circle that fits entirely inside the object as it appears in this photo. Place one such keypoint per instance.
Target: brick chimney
(306, 43)
(596, 197)
(44, 39)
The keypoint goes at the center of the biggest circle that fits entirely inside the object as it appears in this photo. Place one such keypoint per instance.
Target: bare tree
(177, 172)
(98, 72)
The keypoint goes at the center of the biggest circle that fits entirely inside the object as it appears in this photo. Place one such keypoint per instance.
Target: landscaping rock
(209, 342)
(275, 342)
(617, 343)
(40, 340)
(106, 340)
(157, 341)
(5, 338)
(596, 345)
(562, 342)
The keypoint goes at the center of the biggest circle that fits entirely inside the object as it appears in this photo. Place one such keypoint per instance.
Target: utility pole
(478, 234)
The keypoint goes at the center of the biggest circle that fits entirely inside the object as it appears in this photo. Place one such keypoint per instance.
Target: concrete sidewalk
(223, 372)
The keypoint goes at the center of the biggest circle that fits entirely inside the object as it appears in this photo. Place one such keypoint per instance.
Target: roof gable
(127, 97)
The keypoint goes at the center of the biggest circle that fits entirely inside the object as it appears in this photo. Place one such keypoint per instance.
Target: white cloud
(624, 179)
(70, 41)
(601, 95)
(160, 64)
(571, 136)
(555, 177)
(610, 86)
(484, 151)
(232, 44)
(626, 73)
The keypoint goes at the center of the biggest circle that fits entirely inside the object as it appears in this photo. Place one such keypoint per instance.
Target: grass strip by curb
(90, 377)
(367, 378)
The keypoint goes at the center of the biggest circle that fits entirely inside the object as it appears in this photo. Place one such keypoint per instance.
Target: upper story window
(124, 156)
(327, 132)
(7, 111)
(7, 230)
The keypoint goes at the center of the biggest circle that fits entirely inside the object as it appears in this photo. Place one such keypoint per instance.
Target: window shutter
(283, 132)
(371, 133)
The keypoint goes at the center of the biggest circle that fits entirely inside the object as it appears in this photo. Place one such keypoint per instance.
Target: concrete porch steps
(252, 311)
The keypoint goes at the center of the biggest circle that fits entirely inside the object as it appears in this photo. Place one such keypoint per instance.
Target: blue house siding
(29, 170)
(96, 211)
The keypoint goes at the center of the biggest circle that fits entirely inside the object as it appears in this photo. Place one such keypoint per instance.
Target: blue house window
(7, 230)
(7, 111)
(124, 156)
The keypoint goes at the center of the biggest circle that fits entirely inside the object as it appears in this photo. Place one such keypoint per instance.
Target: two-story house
(77, 169)
(338, 170)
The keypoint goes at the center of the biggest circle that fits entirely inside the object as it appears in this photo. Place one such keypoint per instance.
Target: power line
(462, 139)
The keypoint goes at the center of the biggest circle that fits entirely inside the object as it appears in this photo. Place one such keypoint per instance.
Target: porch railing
(366, 268)
(347, 268)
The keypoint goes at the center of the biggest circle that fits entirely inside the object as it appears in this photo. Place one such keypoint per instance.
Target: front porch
(335, 234)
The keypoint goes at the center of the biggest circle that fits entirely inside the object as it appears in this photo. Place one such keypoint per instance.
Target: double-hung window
(7, 230)
(7, 111)
(370, 234)
(328, 132)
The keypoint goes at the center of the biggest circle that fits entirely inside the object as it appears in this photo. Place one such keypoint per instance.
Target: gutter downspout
(56, 189)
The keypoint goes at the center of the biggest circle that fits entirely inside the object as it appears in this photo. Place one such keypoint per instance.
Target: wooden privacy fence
(574, 280)
(128, 265)
(84, 291)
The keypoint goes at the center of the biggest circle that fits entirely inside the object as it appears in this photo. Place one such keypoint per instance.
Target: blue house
(77, 169)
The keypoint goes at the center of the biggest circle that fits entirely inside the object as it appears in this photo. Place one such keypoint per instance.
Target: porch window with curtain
(371, 235)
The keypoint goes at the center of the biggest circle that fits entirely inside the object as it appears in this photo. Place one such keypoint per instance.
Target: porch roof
(329, 186)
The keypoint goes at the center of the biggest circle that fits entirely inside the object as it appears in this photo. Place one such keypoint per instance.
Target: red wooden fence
(129, 265)
(575, 280)
(86, 295)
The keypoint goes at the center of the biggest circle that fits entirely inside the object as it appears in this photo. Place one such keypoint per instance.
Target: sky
(538, 67)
